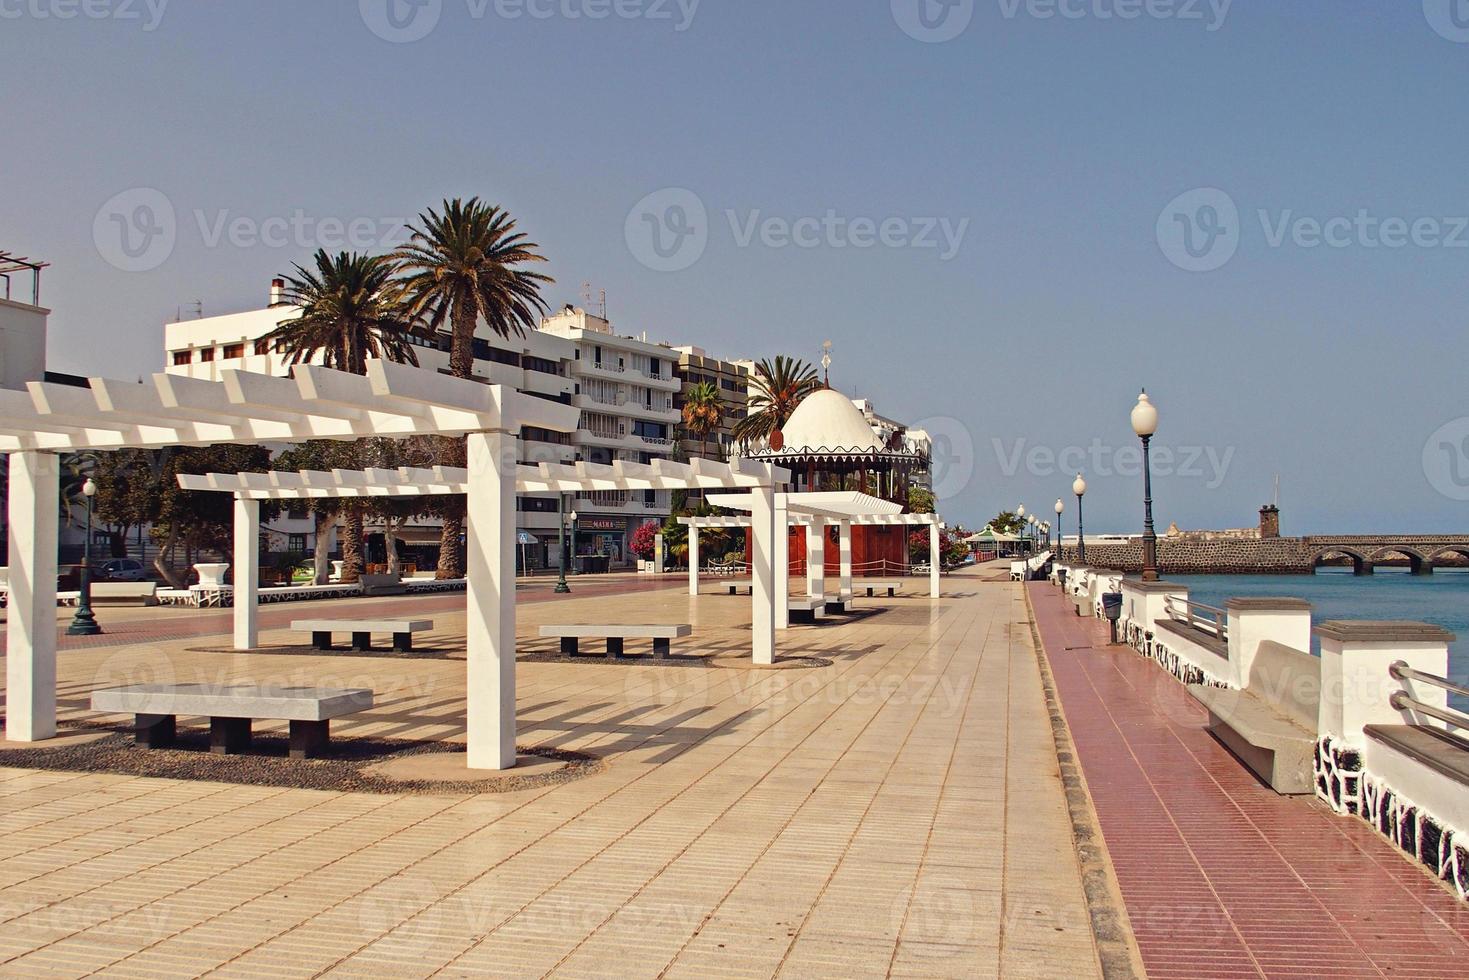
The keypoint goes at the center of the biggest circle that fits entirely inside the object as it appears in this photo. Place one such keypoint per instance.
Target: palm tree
(776, 391)
(352, 309)
(462, 266)
(703, 412)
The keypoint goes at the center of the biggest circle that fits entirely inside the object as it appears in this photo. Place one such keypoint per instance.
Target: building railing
(1209, 619)
(1403, 701)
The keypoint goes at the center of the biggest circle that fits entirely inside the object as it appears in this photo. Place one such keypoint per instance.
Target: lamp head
(90, 487)
(1144, 416)
(1020, 511)
(1079, 486)
(1060, 507)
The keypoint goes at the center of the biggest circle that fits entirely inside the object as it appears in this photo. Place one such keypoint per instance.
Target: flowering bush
(643, 541)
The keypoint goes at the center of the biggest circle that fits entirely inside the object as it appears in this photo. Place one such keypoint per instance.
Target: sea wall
(1265, 556)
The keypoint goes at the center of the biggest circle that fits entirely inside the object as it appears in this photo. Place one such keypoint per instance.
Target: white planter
(211, 574)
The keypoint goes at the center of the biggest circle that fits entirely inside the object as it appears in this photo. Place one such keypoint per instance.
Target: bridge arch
(1360, 565)
(1417, 564)
(1453, 549)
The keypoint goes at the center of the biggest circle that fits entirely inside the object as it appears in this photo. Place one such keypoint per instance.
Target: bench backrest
(1289, 680)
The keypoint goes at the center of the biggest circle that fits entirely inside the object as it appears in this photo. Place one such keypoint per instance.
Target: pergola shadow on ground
(391, 401)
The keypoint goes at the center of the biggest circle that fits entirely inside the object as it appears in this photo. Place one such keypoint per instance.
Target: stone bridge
(1422, 551)
(1284, 556)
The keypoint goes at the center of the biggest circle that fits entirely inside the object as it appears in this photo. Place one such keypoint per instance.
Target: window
(206, 355)
(232, 351)
(296, 512)
(295, 542)
(655, 368)
(541, 364)
(182, 357)
(262, 346)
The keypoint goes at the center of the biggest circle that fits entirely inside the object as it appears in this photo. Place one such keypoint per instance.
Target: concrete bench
(873, 584)
(805, 608)
(321, 631)
(231, 710)
(572, 635)
(1271, 724)
(736, 585)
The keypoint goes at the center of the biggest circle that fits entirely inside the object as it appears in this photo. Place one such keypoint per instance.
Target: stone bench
(1271, 724)
(805, 608)
(231, 710)
(321, 631)
(873, 584)
(572, 635)
(736, 585)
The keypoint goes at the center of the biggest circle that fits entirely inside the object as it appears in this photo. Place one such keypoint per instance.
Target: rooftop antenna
(826, 361)
(1277, 490)
(587, 294)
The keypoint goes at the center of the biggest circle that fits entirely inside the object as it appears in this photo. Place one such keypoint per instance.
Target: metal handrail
(1214, 620)
(1400, 671)
(1402, 702)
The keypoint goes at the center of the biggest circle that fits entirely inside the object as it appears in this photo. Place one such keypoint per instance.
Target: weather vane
(826, 361)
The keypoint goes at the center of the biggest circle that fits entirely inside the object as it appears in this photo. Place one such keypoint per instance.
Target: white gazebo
(815, 511)
(391, 400)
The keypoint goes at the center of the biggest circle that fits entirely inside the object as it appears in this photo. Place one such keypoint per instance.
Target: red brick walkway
(1222, 877)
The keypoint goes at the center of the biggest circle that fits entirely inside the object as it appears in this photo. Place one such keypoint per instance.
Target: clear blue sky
(1060, 141)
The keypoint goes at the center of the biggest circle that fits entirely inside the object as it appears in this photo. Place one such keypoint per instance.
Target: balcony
(586, 437)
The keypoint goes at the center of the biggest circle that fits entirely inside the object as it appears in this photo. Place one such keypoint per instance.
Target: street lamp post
(1145, 424)
(1078, 487)
(84, 623)
(1020, 513)
(561, 587)
(1060, 529)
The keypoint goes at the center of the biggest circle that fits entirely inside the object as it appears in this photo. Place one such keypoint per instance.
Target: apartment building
(696, 366)
(625, 388)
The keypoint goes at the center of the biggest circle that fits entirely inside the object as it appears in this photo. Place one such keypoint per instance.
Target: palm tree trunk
(352, 544)
(321, 560)
(452, 451)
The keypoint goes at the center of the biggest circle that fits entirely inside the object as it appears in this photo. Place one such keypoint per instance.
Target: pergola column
(30, 641)
(816, 559)
(247, 574)
(844, 551)
(782, 561)
(934, 559)
(693, 560)
(762, 574)
(490, 615)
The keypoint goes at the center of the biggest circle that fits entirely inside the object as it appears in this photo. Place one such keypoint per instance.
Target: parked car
(123, 570)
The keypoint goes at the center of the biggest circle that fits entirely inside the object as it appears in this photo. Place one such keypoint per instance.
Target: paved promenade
(896, 813)
(1222, 877)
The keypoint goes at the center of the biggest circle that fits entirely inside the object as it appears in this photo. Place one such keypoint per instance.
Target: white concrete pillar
(1356, 687)
(816, 559)
(30, 640)
(762, 575)
(693, 561)
(490, 617)
(247, 574)
(844, 552)
(782, 558)
(1253, 620)
(934, 560)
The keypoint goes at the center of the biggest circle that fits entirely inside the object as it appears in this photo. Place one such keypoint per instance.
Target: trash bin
(1112, 609)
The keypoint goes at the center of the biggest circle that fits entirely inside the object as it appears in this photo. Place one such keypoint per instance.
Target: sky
(1008, 216)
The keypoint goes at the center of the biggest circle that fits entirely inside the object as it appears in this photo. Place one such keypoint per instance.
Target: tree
(463, 268)
(1007, 523)
(352, 309)
(921, 501)
(777, 388)
(703, 413)
(140, 486)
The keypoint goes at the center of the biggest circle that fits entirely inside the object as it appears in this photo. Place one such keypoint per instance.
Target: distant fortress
(1262, 551)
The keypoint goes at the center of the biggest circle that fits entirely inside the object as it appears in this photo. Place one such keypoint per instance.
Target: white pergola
(251, 488)
(815, 511)
(392, 401)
